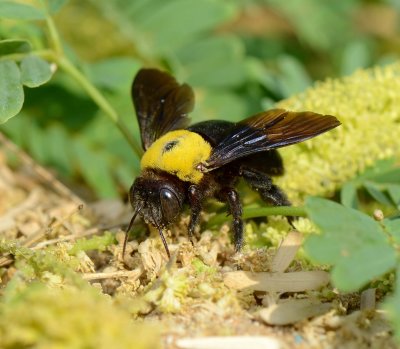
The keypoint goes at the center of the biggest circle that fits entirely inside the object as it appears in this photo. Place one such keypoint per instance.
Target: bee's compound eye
(170, 204)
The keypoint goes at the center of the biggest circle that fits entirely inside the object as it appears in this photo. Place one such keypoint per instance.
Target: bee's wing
(268, 130)
(161, 104)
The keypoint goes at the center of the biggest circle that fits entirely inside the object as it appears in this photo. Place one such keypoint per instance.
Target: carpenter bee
(186, 165)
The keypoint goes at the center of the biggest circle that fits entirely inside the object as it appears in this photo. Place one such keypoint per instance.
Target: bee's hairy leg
(262, 183)
(196, 203)
(230, 196)
(269, 192)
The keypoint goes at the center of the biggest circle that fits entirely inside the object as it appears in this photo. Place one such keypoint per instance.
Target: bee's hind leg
(269, 192)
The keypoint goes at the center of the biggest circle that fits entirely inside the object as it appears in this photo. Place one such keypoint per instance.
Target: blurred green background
(240, 56)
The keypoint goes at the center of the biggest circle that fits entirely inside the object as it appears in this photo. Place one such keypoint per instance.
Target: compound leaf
(35, 71)
(11, 91)
(354, 243)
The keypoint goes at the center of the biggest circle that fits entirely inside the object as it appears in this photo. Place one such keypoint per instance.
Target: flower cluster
(368, 105)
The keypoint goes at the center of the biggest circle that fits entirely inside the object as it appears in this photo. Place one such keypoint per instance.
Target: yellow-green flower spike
(368, 105)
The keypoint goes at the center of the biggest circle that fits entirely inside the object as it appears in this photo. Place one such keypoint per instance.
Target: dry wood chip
(277, 282)
(239, 342)
(368, 299)
(132, 274)
(287, 251)
(151, 256)
(290, 311)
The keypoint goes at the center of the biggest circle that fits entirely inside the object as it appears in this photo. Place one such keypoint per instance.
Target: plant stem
(253, 212)
(54, 37)
(99, 99)
(64, 63)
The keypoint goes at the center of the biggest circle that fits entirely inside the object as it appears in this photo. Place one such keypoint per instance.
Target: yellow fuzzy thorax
(178, 153)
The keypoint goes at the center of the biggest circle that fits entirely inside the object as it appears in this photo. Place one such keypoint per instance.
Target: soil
(38, 211)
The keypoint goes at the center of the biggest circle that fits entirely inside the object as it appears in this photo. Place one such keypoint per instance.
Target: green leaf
(394, 193)
(95, 169)
(16, 10)
(36, 142)
(323, 25)
(56, 5)
(348, 195)
(220, 105)
(393, 228)
(392, 306)
(357, 269)
(390, 176)
(356, 55)
(11, 46)
(383, 176)
(124, 175)
(294, 77)
(15, 129)
(377, 193)
(349, 241)
(176, 22)
(267, 77)
(59, 152)
(114, 73)
(11, 91)
(334, 218)
(35, 71)
(382, 171)
(214, 62)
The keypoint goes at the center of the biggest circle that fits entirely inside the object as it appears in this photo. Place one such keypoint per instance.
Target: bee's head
(158, 198)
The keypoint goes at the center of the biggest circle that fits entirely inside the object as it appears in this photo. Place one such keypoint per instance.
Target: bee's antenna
(164, 242)
(162, 237)
(129, 228)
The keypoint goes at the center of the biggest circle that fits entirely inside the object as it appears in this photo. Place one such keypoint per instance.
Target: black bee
(187, 165)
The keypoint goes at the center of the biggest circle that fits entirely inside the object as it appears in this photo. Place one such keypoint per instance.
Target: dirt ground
(204, 290)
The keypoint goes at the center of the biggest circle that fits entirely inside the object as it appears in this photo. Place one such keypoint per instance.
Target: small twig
(41, 233)
(44, 174)
(71, 237)
(131, 274)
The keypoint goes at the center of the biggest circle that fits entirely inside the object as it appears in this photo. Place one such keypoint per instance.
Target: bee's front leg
(230, 196)
(195, 196)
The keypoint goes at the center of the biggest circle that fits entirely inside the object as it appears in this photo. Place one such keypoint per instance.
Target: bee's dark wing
(268, 130)
(161, 104)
